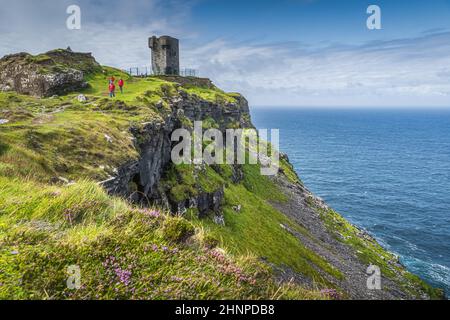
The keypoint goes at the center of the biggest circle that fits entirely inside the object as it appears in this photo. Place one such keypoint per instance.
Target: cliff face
(126, 144)
(140, 179)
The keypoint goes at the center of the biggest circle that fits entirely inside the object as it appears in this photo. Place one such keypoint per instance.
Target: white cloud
(115, 31)
(398, 72)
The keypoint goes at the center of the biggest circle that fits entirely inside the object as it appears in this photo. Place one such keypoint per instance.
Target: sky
(299, 53)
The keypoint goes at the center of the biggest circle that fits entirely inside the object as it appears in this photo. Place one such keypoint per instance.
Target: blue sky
(279, 52)
(317, 20)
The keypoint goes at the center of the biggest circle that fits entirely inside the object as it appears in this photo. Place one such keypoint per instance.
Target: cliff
(86, 181)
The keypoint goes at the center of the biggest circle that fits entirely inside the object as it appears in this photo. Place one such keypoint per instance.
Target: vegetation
(121, 252)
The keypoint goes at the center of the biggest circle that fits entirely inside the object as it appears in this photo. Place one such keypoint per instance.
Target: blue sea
(387, 171)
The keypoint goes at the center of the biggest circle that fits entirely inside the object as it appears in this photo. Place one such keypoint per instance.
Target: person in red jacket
(112, 89)
(121, 84)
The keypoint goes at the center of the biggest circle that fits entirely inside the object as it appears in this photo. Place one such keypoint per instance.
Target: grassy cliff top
(61, 136)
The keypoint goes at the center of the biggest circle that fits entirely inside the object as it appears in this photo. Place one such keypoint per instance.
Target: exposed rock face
(54, 73)
(155, 145)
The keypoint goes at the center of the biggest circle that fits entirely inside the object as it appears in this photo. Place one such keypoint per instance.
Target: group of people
(112, 86)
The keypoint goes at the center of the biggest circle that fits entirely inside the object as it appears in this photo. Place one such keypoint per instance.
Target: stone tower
(165, 55)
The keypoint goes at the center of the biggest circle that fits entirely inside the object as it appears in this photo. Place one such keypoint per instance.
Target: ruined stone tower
(165, 55)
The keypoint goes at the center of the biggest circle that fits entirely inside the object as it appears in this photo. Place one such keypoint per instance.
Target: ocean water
(387, 171)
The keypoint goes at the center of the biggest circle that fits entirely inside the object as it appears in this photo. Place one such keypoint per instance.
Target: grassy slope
(122, 252)
(257, 227)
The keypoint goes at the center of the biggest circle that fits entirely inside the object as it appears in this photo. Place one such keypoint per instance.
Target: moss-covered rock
(53, 73)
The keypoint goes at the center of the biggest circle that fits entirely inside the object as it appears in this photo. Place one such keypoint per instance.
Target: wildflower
(69, 217)
(331, 293)
(154, 214)
(176, 279)
(123, 275)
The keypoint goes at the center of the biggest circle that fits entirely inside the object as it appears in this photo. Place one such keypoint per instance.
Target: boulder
(53, 73)
(109, 139)
(81, 98)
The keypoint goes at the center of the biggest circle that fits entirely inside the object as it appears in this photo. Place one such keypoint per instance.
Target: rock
(109, 139)
(5, 88)
(287, 229)
(159, 105)
(193, 203)
(180, 113)
(238, 174)
(4, 121)
(53, 73)
(219, 220)
(237, 208)
(63, 180)
(181, 210)
(81, 98)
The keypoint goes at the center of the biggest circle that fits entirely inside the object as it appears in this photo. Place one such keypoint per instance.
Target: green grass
(121, 251)
(260, 185)
(71, 143)
(289, 172)
(257, 228)
(213, 95)
(152, 88)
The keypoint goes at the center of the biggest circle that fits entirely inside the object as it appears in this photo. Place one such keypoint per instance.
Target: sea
(385, 170)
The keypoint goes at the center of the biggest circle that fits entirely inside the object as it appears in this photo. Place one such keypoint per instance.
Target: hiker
(112, 80)
(112, 90)
(121, 84)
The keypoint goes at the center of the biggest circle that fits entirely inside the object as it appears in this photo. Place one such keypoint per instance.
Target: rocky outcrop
(139, 180)
(54, 73)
